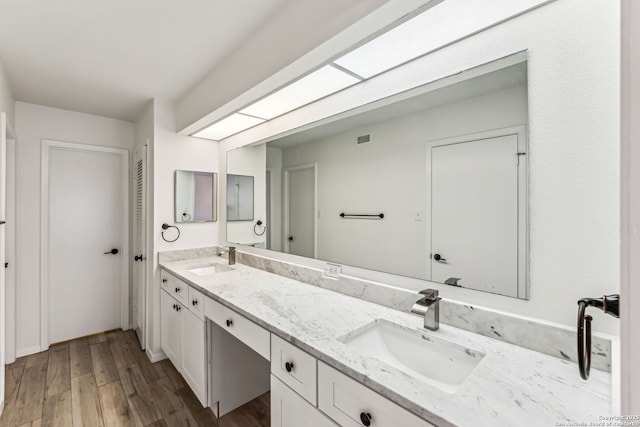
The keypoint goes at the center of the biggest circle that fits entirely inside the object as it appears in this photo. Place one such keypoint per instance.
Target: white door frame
(285, 205)
(47, 146)
(630, 209)
(523, 210)
(3, 311)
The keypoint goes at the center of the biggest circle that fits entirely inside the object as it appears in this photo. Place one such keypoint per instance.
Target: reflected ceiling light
(228, 126)
(444, 23)
(323, 82)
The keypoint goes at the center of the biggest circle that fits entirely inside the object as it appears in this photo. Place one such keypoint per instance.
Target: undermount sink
(208, 269)
(422, 355)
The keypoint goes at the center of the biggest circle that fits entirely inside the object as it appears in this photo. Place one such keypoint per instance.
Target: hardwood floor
(107, 381)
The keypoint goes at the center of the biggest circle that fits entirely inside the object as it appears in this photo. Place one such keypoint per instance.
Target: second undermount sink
(422, 355)
(208, 269)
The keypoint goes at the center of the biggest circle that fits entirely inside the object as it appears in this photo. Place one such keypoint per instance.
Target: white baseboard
(155, 357)
(27, 351)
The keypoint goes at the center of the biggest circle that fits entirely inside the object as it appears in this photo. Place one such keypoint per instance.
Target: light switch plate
(332, 271)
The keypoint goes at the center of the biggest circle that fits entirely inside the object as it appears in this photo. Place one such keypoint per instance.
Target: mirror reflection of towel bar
(371, 216)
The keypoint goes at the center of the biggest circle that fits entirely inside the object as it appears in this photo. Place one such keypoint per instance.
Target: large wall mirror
(431, 186)
(195, 196)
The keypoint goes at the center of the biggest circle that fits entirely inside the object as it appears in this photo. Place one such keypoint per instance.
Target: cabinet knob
(229, 322)
(178, 308)
(194, 302)
(288, 366)
(177, 290)
(164, 280)
(365, 418)
(174, 306)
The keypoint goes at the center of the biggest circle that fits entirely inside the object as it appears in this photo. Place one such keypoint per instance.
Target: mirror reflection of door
(474, 195)
(301, 207)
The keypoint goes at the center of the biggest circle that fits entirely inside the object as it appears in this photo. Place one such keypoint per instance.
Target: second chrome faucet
(429, 307)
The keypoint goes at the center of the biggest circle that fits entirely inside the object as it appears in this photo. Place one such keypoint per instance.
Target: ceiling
(110, 57)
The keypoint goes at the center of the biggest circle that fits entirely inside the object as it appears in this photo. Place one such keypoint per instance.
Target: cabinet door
(288, 409)
(193, 354)
(170, 315)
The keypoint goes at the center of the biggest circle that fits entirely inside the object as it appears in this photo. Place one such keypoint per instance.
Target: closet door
(138, 294)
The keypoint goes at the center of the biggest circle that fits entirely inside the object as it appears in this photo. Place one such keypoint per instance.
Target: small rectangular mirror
(195, 196)
(239, 198)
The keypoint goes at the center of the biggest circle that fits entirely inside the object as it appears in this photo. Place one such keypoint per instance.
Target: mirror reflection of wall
(239, 198)
(449, 154)
(246, 196)
(195, 196)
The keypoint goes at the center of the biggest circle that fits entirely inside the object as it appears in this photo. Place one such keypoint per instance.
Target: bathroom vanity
(331, 359)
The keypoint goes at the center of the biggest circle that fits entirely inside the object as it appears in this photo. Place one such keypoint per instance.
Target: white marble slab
(511, 386)
(552, 339)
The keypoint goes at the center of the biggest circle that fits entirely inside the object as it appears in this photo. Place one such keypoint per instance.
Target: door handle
(112, 252)
(291, 238)
(439, 258)
(138, 258)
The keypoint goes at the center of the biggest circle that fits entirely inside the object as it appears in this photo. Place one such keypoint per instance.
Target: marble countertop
(510, 386)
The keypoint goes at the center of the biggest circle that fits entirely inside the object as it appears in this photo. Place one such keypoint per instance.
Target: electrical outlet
(332, 271)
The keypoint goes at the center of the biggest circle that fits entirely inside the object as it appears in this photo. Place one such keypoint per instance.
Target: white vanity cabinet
(182, 333)
(352, 404)
(294, 387)
(288, 409)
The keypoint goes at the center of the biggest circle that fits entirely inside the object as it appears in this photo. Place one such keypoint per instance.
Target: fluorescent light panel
(228, 126)
(436, 27)
(323, 82)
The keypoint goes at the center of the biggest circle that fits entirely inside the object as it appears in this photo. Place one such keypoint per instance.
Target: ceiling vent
(364, 139)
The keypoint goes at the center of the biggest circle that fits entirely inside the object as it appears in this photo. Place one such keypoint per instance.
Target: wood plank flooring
(107, 381)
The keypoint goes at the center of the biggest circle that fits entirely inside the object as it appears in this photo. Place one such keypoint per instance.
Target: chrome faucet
(429, 307)
(232, 254)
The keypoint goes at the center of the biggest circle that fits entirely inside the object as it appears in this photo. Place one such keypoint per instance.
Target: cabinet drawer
(196, 303)
(290, 410)
(240, 327)
(174, 286)
(346, 401)
(294, 367)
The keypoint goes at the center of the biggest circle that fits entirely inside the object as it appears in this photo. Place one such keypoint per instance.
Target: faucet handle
(430, 293)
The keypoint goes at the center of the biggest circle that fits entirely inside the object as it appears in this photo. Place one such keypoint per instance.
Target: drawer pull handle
(194, 302)
(178, 308)
(365, 417)
(229, 322)
(164, 280)
(288, 366)
(177, 290)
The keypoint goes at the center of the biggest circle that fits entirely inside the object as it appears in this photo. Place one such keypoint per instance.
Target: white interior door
(138, 295)
(301, 208)
(86, 239)
(474, 214)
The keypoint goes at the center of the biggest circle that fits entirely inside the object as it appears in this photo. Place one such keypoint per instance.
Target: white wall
(274, 165)
(7, 104)
(574, 165)
(250, 162)
(388, 175)
(34, 123)
(172, 151)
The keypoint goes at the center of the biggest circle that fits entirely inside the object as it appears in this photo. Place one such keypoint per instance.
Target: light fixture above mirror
(416, 37)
